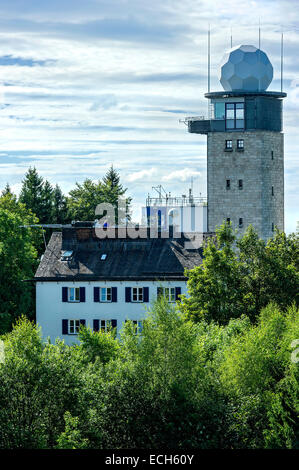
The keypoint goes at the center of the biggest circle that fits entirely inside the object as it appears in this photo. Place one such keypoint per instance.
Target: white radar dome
(246, 68)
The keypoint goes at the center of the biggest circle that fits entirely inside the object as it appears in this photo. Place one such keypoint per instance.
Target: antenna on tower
(259, 33)
(209, 57)
(231, 37)
(259, 49)
(281, 62)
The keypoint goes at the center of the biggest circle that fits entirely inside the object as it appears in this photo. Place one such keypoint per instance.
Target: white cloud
(181, 175)
(142, 175)
(103, 74)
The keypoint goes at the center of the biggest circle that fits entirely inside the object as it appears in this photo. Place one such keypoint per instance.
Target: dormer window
(67, 255)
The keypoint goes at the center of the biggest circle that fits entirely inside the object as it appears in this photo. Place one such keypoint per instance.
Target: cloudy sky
(86, 84)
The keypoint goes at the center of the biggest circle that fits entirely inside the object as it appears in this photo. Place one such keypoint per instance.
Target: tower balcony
(204, 125)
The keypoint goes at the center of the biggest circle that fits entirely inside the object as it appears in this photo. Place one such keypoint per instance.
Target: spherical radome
(246, 68)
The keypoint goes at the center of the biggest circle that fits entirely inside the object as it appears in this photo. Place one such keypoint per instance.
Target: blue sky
(84, 85)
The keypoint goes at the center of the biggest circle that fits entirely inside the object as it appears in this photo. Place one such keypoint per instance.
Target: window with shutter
(96, 294)
(82, 294)
(137, 294)
(65, 327)
(128, 294)
(96, 325)
(64, 294)
(177, 293)
(114, 294)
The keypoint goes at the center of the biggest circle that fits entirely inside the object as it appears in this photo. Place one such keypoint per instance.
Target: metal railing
(175, 201)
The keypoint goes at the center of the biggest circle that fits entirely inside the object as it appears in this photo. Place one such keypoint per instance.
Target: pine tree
(113, 190)
(59, 207)
(32, 194)
(6, 190)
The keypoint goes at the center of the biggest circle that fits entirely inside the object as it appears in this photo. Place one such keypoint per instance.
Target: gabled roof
(126, 258)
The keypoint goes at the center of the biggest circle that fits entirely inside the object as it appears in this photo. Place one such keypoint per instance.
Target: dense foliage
(178, 384)
(18, 260)
(218, 370)
(241, 276)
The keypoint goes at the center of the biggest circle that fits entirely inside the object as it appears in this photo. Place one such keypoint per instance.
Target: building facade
(101, 283)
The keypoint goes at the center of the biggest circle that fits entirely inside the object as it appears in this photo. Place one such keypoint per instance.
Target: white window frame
(73, 327)
(169, 293)
(138, 293)
(76, 296)
(107, 297)
(103, 325)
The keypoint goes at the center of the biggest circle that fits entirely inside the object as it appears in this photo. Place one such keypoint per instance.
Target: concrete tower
(245, 156)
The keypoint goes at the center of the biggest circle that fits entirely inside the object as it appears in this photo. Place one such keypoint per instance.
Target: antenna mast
(209, 58)
(231, 37)
(259, 33)
(281, 63)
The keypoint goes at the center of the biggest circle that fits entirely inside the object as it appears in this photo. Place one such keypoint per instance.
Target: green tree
(6, 190)
(39, 384)
(241, 276)
(71, 438)
(18, 260)
(261, 382)
(46, 214)
(32, 193)
(83, 200)
(215, 287)
(100, 345)
(59, 207)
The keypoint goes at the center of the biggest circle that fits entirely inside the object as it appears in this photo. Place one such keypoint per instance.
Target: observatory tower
(245, 156)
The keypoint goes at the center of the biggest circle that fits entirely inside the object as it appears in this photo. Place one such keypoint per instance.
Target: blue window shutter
(159, 291)
(114, 294)
(82, 322)
(96, 325)
(177, 293)
(114, 323)
(145, 294)
(64, 294)
(96, 294)
(65, 327)
(128, 294)
(82, 294)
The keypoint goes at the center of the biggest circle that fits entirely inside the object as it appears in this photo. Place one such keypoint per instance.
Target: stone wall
(255, 203)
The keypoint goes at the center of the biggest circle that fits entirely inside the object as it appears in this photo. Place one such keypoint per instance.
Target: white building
(99, 282)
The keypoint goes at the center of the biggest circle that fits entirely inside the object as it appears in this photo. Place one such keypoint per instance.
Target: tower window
(272, 190)
(228, 220)
(240, 222)
(272, 155)
(272, 226)
(227, 184)
(228, 145)
(234, 115)
(240, 184)
(240, 144)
